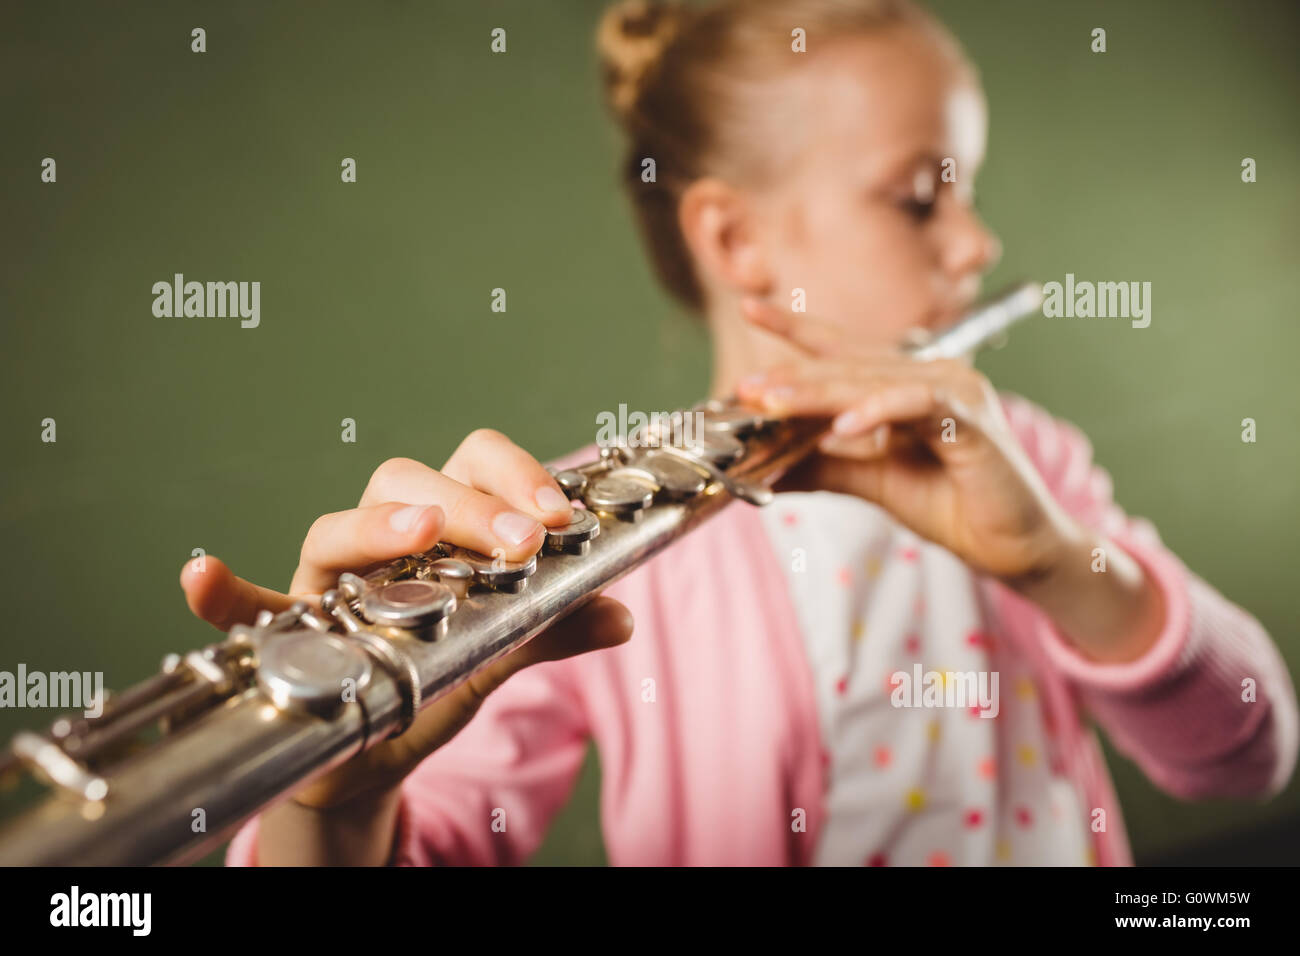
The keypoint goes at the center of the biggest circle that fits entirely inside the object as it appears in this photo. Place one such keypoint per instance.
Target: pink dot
(1024, 817)
(883, 756)
(790, 518)
(826, 758)
(877, 859)
(844, 576)
(988, 768)
(913, 644)
(939, 858)
(980, 639)
(909, 554)
(973, 818)
(841, 686)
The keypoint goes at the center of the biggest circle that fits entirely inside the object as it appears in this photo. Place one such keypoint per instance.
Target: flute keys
(456, 575)
(622, 492)
(304, 670)
(574, 537)
(416, 605)
(571, 481)
(497, 573)
(677, 479)
(716, 447)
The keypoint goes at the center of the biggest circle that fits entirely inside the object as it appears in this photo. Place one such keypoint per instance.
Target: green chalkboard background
(478, 171)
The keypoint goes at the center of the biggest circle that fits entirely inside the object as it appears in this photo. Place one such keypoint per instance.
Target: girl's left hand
(926, 440)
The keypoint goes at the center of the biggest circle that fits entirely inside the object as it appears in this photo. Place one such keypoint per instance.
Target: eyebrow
(909, 164)
(886, 173)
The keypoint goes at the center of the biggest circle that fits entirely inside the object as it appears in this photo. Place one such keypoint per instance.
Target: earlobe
(719, 229)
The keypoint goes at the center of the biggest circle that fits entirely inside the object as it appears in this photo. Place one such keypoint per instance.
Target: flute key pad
(574, 537)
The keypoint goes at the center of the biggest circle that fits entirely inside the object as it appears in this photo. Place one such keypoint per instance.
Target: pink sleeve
(1184, 712)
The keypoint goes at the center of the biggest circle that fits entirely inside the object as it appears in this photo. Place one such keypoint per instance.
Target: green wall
(477, 171)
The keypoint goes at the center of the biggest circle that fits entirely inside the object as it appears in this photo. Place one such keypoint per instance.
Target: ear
(721, 230)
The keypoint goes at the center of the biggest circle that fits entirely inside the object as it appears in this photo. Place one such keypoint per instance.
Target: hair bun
(631, 40)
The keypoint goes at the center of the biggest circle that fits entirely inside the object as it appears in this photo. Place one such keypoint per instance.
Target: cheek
(870, 271)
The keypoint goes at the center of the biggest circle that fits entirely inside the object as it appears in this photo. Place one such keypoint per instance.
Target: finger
(475, 520)
(600, 623)
(217, 596)
(860, 447)
(892, 397)
(490, 462)
(885, 403)
(810, 335)
(823, 473)
(354, 540)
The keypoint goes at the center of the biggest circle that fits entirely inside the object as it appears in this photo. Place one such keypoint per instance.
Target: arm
(1187, 684)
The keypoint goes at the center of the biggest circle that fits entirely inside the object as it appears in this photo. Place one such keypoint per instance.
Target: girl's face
(863, 220)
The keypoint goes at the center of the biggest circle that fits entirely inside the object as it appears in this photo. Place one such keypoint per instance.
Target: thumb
(216, 595)
(600, 623)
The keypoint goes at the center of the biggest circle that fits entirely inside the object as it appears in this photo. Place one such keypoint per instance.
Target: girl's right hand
(492, 497)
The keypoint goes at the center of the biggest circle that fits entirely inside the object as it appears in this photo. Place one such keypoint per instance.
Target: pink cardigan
(712, 770)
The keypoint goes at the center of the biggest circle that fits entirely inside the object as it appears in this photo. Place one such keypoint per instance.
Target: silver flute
(174, 765)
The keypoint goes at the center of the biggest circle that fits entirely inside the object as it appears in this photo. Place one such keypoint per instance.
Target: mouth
(942, 317)
(954, 306)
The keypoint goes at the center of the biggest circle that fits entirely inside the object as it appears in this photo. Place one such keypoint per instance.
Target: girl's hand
(490, 495)
(927, 441)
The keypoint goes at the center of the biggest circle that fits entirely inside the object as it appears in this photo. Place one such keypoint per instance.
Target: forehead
(874, 101)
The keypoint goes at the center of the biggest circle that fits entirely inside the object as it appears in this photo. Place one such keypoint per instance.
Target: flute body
(250, 719)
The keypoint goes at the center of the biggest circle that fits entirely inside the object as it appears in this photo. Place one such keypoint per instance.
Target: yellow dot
(1090, 856)
(935, 730)
(860, 630)
(1004, 850)
(1025, 688)
(873, 567)
(916, 799)
(1027, 755)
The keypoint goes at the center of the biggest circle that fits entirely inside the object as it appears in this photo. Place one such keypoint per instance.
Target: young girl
(754, 719)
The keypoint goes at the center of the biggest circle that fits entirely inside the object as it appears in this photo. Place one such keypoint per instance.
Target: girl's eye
(919, 200)
(918, 209)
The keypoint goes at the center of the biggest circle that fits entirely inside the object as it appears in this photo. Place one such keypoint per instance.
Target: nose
(971, 247)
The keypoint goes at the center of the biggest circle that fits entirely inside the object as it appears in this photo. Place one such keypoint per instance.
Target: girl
(760, 716)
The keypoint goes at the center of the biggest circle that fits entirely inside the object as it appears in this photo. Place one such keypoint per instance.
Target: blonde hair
(681, 81)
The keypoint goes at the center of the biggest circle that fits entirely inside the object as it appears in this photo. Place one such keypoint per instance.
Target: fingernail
(403, 519)
(513, 527)
(848, 423)
(550, 499)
